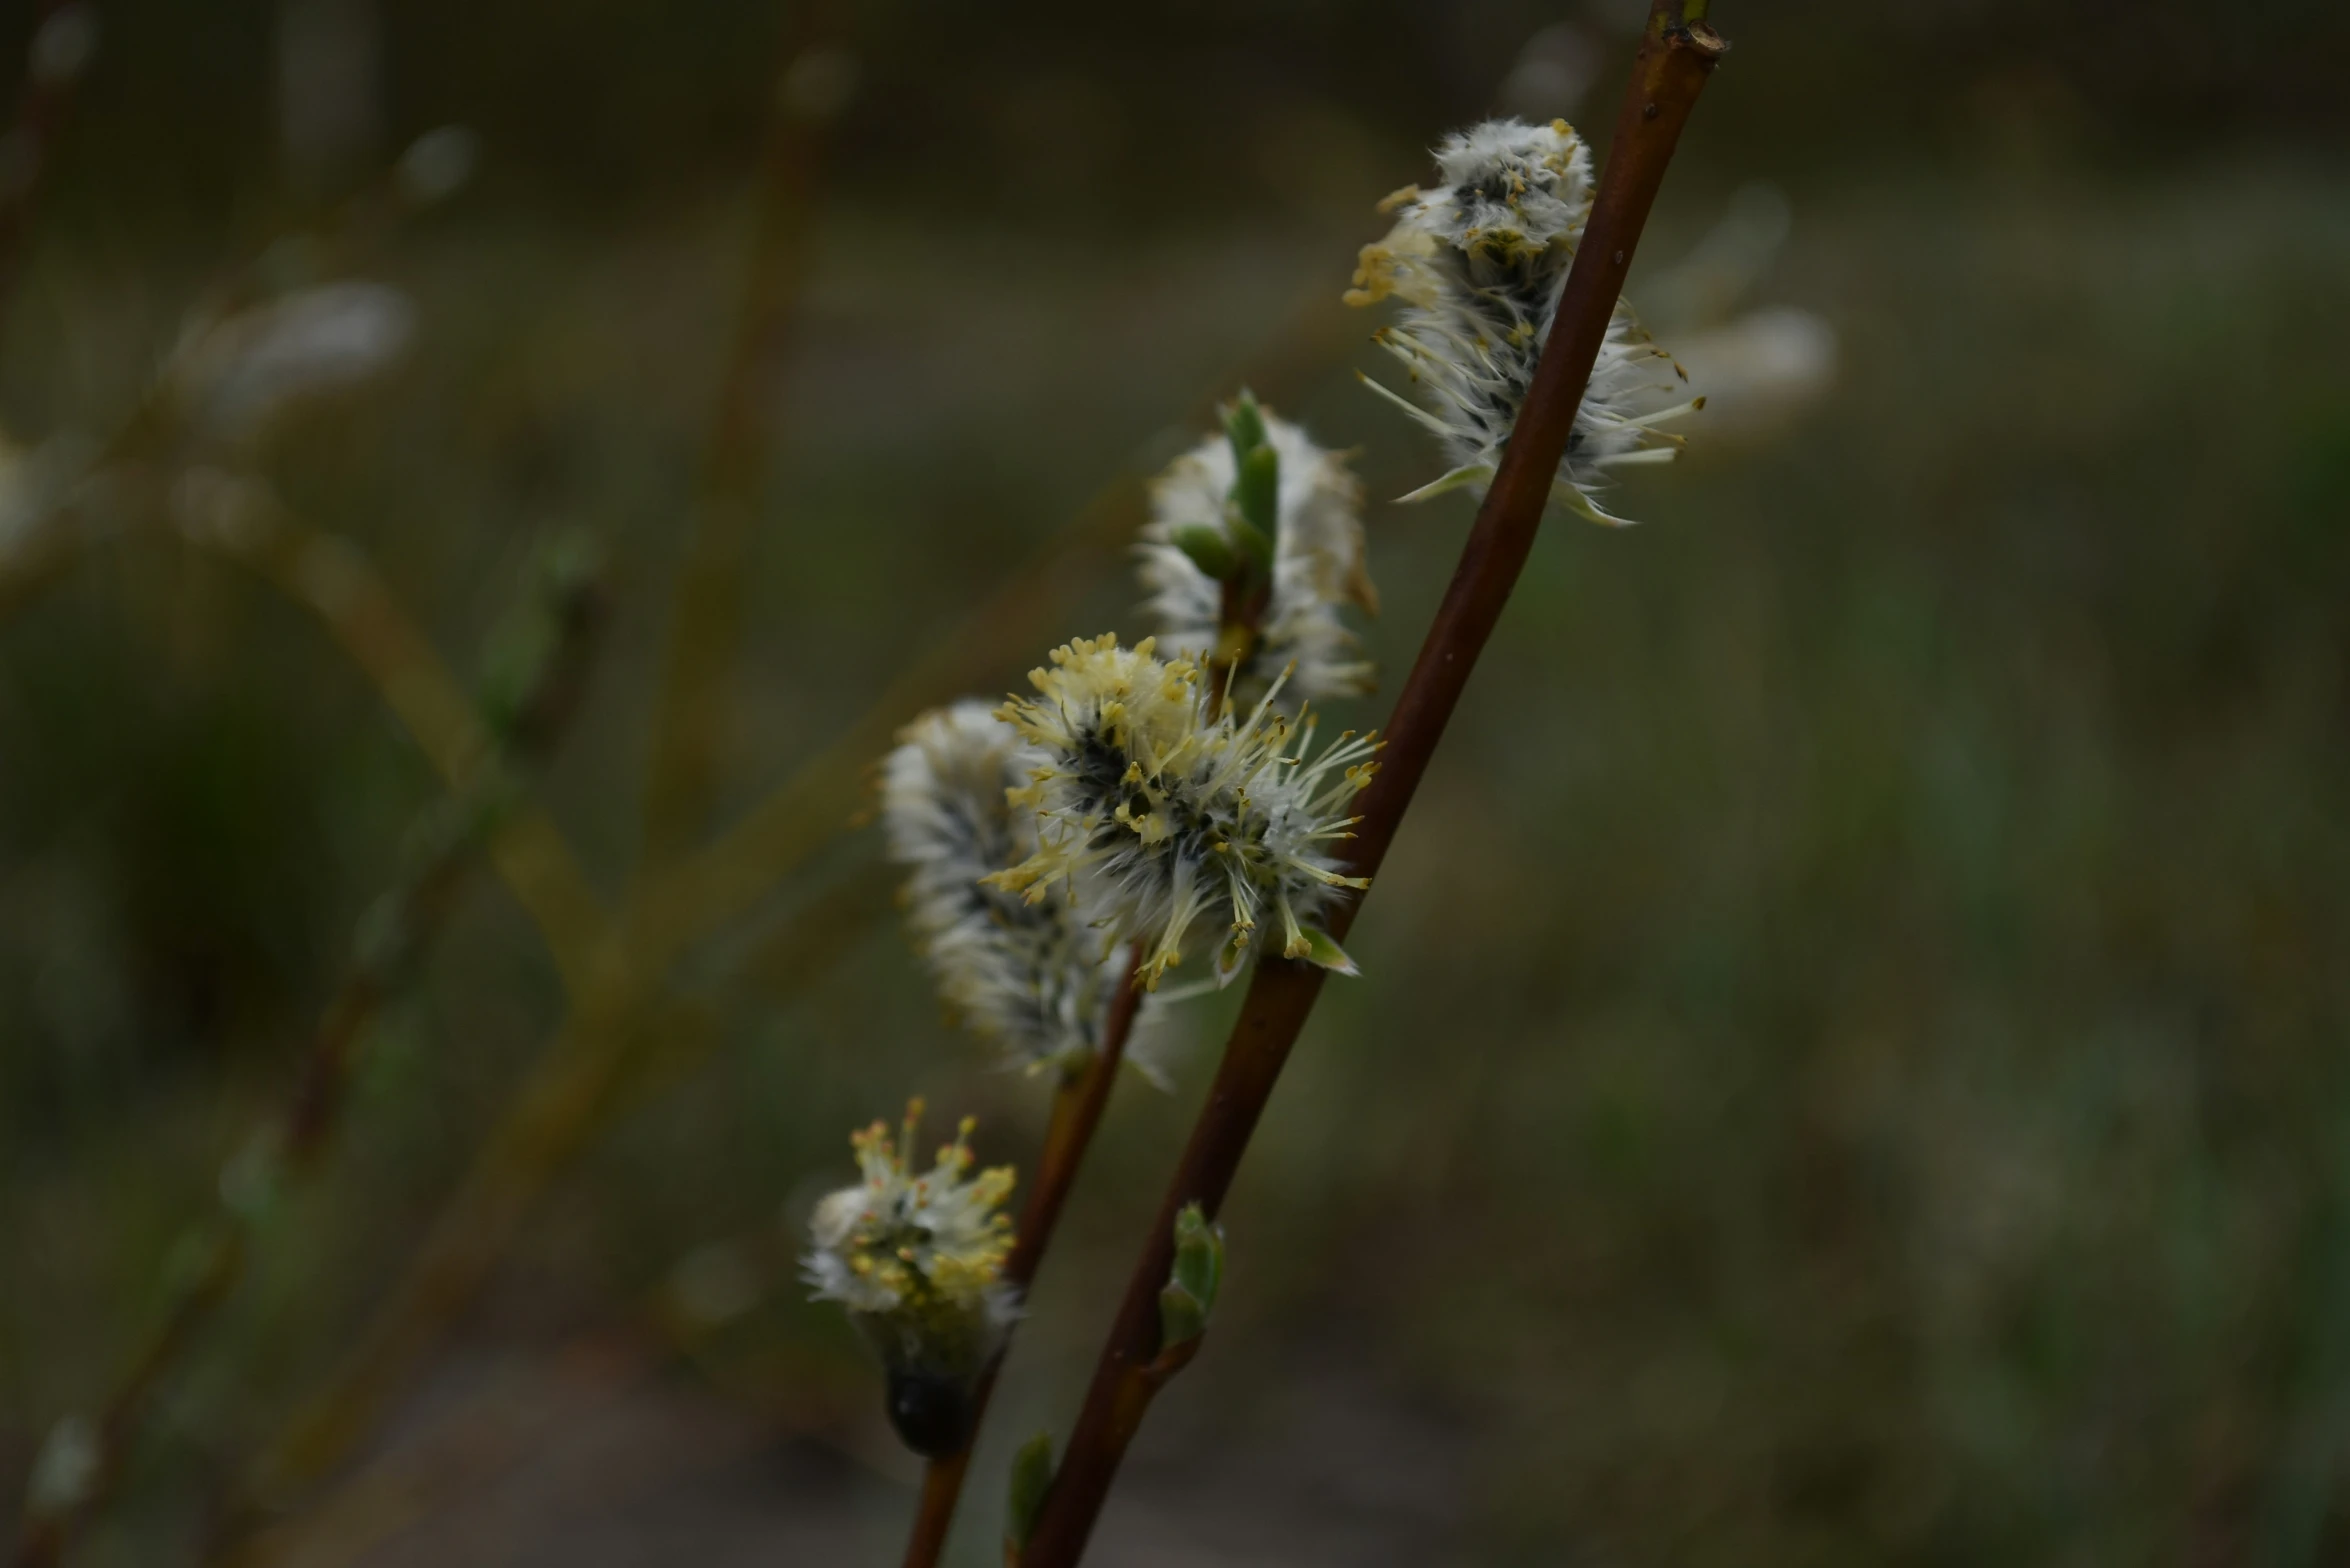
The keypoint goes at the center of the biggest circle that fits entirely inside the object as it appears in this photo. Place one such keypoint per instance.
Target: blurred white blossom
(65, 1470)
(437, 164)
(1553, 70)
(35, 483)
(64, 45)
(1761, 371)
(237, 375)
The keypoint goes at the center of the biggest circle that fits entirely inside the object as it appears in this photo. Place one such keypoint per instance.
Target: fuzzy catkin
(917, 1257)
(1479, 262)
(1168, 816)
(1034, 977)
(1318, 569)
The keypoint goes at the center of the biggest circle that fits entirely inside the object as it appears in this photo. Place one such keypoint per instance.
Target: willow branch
(1676, 56)
(587, 1071)
(1077, 1111)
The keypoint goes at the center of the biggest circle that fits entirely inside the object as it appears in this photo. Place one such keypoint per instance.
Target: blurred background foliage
(1850, 1064)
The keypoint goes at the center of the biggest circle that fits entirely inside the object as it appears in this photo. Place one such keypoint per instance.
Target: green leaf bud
(1256, 494)
(1244, 426)
(1209, 550)
(1032, 1478)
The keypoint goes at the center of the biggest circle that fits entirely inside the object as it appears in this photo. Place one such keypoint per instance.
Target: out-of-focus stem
(706, 621)
(293, 1146)
(1077, 1111)
(333, 579)
(1675, 59)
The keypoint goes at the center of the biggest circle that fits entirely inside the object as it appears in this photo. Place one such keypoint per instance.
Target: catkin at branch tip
(1479, 262)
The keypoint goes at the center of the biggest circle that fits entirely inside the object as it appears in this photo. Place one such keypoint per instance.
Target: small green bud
(1199, 1254)
(1323, 949)
(1244, 426)
(1180, 1319)
(1032, 1478)
(1190, 1294)
(1209, 550)
(1257, 492)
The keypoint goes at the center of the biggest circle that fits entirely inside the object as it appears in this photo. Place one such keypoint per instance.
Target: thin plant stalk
(120, 496)
(1078, 1104)
(333, 579)
(293, 1146)
(706, 620)
(1676, 56)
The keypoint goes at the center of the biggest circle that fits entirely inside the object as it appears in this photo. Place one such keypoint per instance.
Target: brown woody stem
(1077, 1110)
(1676, 56)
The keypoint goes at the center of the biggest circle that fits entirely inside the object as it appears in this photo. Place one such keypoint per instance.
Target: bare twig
(1676, 56)
(1077, 1111)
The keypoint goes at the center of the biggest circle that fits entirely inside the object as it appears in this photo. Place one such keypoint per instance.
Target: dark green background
(1850, 1066)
